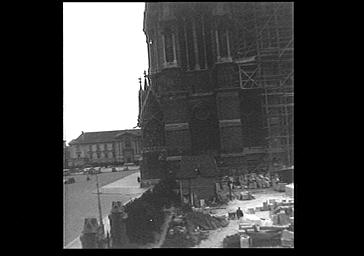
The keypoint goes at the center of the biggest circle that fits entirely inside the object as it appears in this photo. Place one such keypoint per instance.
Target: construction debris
(232, 241)
(289, 189)
(205, 221)
(246, 195)
(189, 229)
(287, 238)
(280, 187)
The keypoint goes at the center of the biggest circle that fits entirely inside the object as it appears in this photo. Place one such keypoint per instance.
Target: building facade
(107, 147)
(66, 155)
(220, 83)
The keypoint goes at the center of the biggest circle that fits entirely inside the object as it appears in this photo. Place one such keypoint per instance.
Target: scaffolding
(264, 55)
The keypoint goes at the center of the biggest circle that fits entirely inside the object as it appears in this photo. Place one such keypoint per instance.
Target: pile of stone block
(282, 212)
(246, 195)
(289, 189)
(280, 187)
(287, 238)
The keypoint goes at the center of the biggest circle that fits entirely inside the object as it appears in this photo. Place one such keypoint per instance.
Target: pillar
(89, 233)
(118, 217)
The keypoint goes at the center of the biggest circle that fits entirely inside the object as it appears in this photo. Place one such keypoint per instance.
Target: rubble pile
(187, 230)
(205, 221)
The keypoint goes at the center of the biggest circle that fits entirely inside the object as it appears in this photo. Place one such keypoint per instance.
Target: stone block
(283, 219)
(244, 241)
(274, 218)
(287, 238)
(251, 211)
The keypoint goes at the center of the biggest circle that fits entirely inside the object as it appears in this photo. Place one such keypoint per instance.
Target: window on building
(127, 142)
(200, 36)
(222, 44)
(169, 47)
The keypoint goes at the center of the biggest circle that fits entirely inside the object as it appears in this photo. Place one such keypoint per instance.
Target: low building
(66, 155)
(105, 148)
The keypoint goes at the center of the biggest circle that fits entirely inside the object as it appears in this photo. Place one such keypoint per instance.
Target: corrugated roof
(104, 136)
(206, 165)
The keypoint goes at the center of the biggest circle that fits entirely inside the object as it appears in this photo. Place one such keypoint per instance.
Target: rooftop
(103, 136)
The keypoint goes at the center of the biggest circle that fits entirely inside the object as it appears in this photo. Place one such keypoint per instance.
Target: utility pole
(102, 231)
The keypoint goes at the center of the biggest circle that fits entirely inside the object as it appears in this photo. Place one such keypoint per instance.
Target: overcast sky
(104, 53)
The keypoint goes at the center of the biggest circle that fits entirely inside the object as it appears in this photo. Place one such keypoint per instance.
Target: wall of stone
(203, 187)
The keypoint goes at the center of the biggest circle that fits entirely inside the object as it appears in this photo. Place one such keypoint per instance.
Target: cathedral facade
(217, 73)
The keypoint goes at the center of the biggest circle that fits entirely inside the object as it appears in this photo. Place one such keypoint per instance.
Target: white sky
(104, 53)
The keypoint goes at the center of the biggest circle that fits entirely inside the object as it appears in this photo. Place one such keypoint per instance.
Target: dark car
(69, 181)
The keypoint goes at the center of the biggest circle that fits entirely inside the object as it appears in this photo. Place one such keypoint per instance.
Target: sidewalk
(126, 186)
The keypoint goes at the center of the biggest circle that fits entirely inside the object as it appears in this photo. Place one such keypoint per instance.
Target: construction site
(253, 211)
(216, 114)
(226, 90)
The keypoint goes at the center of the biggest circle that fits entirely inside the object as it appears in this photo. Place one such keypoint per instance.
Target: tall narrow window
(223, 44)
(190, 45)
(169, 42)
(150, 52)
(169, 47)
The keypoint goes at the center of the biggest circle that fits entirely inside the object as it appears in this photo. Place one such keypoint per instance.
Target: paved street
(80, 201)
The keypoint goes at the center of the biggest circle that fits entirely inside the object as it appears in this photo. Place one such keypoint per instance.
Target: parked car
(66, 172)
(69, 180)
(94, 171)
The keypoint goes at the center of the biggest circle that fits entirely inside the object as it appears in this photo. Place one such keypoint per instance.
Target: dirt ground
(216, 237)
